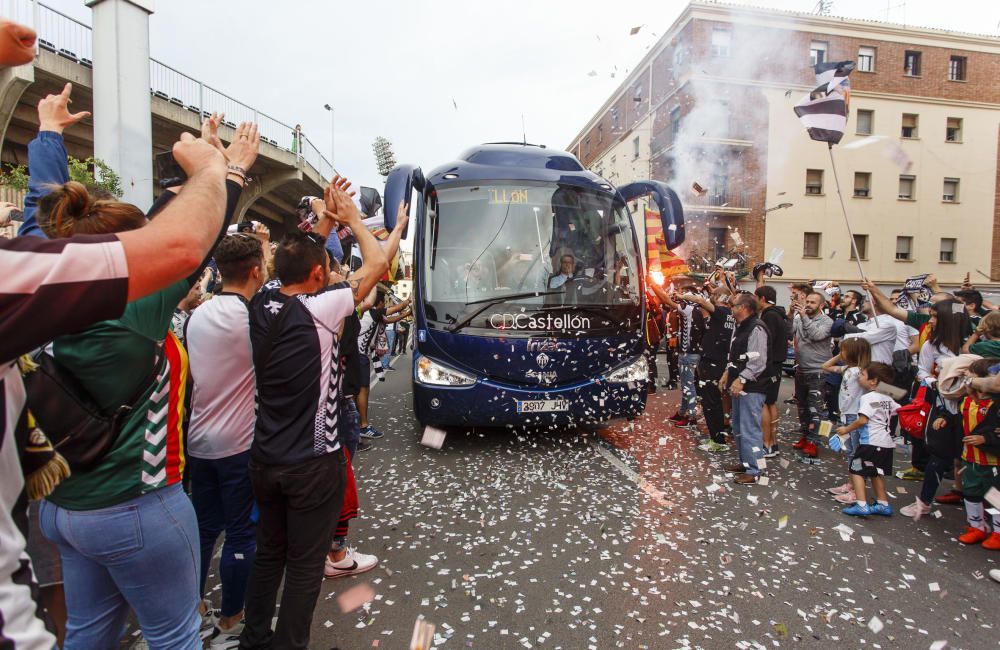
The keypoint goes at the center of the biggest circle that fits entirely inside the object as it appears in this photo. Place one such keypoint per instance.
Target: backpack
(76, 426)
(914, 416)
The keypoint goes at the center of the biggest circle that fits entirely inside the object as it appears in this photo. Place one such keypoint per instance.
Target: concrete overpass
(280, 175)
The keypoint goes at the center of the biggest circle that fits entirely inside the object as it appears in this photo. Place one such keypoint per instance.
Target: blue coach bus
(528, 288)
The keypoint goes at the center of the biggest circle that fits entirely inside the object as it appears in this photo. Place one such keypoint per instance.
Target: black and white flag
(824, 110)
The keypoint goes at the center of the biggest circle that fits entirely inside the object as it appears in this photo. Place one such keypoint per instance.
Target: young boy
(873, 456)
(980, 459)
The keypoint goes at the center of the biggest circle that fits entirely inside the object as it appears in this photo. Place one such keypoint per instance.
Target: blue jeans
(747, 429)
(223, 500)
(390, 339)
(349, 434)
(689, 387)
(846, 419)
(141, 554)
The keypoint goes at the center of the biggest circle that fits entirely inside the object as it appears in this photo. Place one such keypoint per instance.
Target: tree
(82, 171)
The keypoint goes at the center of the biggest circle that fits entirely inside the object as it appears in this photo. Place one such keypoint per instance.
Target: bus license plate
(542, 405)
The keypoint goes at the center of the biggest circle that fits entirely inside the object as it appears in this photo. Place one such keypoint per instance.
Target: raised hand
(210, 130)
(17, 44)
(243, 150)
(402, 218)
(53, 111)
(6, 209)
(345, 212)
(337, 183)
(195, 155)
(262, 232)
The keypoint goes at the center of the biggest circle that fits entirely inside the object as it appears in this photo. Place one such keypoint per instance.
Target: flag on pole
(671, 264)
(654, 229)
(824, 111)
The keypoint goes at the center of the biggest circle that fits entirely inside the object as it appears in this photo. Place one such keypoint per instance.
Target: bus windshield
(572, 246)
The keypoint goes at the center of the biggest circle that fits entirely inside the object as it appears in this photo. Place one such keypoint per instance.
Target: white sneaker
(352, 563)
(915, 510)
(227, 638)
(995, 574)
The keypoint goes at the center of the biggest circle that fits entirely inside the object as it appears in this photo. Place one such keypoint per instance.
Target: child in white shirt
(855, 354)
(873, 456)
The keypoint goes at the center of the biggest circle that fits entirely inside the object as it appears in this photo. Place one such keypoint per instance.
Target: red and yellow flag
(661, 260)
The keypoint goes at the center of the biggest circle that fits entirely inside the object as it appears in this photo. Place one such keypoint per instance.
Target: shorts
(870, 461)
(978, 479)
(366, 371)
(773, 386)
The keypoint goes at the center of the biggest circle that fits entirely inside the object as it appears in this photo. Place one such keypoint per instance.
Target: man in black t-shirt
(296, 463)
(712, 363)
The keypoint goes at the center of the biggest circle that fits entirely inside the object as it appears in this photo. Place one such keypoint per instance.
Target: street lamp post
(330, 108)
(780, 206)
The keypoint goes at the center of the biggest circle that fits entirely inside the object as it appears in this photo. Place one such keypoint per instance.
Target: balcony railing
(73, 40)
(721, 199)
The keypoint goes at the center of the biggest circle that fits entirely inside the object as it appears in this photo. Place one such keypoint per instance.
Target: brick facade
(684, 58)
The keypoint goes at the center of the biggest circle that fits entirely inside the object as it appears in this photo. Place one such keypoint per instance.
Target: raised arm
(395, 309)
(882, 303)
(701, 301)
(47, 164)
(173, 245)
(375, 263)
(832, 365)
(661, 294)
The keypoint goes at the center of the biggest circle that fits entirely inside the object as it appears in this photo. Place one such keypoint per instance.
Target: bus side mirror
(399, 186)
(669, 204)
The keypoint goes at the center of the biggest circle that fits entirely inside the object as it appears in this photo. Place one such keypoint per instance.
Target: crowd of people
(872, 374)
(168, 379)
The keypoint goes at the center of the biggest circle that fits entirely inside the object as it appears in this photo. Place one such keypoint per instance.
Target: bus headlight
(431, 372)
(637, 370)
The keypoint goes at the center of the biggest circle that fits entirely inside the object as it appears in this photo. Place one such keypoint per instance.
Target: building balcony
(718, 203)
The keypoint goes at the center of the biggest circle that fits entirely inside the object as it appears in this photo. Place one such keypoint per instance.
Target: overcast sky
(399, 69)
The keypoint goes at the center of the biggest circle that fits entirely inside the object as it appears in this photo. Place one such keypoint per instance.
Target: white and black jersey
(298, 381)
(47, 288)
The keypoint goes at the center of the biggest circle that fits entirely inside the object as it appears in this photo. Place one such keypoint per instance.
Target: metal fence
(72, 39)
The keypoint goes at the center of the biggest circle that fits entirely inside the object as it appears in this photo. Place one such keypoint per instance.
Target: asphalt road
(632, 537)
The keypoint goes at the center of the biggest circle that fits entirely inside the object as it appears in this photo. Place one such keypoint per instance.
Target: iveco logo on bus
(546, 345)
(549, 322)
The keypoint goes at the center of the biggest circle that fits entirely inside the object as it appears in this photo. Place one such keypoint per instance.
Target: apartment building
(709, 110)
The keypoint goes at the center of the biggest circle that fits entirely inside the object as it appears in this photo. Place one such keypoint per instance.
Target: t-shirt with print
(850, 392)
(111, 360)
(298, 384)
(371, 324)
(222, 397)
(718, 334)
(692, 330)
(879, 409)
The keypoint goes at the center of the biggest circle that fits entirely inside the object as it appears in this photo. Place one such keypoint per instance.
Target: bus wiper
(587, 309)
(491, 302)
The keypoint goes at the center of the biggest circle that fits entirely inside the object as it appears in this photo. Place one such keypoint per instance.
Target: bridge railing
(71, 39)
